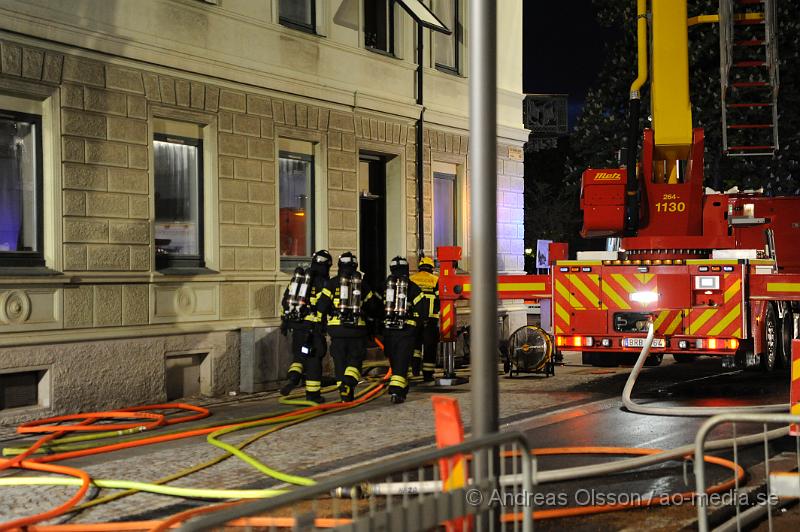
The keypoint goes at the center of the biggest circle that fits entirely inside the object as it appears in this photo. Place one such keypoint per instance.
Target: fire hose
(689, 411)
(84, 481)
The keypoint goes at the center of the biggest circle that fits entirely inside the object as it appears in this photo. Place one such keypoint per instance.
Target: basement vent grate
(20, 389)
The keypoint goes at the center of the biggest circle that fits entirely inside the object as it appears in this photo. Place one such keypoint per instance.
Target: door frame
(395, 159)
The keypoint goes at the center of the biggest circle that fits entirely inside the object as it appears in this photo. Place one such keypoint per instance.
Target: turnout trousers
(310, 362)
(426, 348)
(348, 356)
(399, 346)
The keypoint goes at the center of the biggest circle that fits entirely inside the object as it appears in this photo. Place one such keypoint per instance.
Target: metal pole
(420, 149)
(483, 221)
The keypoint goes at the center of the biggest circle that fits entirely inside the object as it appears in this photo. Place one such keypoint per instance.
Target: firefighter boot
(427, 372)
(416, 363)
(398, 388)
(347, 390)
(295, 376)
(314, 391)
(315, 397)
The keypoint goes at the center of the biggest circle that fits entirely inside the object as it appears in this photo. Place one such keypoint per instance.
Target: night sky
(562, 49)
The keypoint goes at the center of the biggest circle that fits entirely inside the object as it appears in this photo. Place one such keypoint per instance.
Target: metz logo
(608, 176)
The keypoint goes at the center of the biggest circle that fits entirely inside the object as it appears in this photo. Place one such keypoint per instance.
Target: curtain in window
(17, 186)
(295, 215)
(443, 210)
(444, 46)
(297, 11)
(177, 201)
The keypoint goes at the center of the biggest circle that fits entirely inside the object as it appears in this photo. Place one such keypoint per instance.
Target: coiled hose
(688, 411)
(84, 481)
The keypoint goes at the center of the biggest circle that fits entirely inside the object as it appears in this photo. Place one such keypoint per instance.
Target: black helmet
(321, 261)
(399, 266)
(348, 262)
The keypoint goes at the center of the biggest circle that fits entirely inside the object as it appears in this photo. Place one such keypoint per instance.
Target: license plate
(639, 342)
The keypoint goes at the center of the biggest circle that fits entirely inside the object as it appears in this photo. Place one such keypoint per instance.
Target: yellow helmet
(426, 261)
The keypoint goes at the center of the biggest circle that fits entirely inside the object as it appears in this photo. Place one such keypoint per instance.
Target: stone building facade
(100, 325)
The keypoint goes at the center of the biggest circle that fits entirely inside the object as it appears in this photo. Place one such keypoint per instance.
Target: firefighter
(427, 341)
(348, 303)
(404, 306)
(301, 316)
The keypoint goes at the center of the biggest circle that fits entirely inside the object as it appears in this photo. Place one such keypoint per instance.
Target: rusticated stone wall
(106, 316)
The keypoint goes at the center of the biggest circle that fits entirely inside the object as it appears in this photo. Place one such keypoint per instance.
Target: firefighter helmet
(399, 266)
(321, 262)
(426, 264)
(348, 261)
(322, 257)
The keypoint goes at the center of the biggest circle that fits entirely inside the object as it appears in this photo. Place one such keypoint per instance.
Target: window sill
(299, 27)
(380, 51)
(27, 271)
(444, 69)
(186, 271)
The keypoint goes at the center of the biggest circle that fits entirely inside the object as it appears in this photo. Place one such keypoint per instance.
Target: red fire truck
(717, 273)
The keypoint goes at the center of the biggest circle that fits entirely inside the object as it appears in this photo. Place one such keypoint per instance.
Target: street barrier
(778, 484)
(406, 493)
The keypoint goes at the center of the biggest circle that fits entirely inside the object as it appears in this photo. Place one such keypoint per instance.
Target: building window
(445, 47)
(379, 25)
(178, 163)
(444, 209)
(21, 227)
(298, 14)
(296, 192)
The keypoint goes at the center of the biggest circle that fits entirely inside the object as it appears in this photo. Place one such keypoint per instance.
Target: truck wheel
(786, 335)
(629, 359)
(682, 358)
(602, 360)
(653, 360)
(771, 354)
(608, 360)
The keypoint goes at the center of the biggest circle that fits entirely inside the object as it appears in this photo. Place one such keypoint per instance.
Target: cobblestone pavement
(314, 448)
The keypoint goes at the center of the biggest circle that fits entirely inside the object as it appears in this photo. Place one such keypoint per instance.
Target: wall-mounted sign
(543, 253)
(545, 114)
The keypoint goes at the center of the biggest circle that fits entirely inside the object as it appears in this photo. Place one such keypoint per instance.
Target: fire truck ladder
(749, 77)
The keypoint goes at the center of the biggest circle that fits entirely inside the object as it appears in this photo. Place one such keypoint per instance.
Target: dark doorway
(372, 218)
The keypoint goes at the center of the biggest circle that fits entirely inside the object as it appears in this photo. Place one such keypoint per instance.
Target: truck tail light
(683, 344)
(574, 341)
(606, 342)
(717, 343)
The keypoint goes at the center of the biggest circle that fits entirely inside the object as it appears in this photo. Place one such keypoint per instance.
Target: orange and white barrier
(794, 390)
(454, 469)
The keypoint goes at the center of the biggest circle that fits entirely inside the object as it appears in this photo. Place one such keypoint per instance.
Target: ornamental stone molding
(15, 307)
